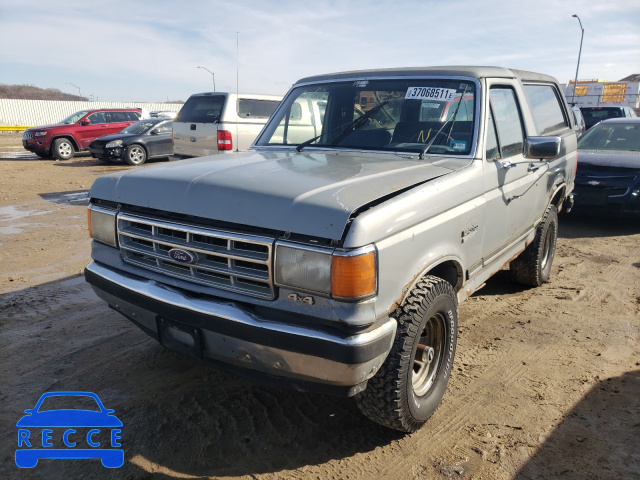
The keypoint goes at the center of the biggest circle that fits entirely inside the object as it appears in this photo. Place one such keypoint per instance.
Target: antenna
(237, 91)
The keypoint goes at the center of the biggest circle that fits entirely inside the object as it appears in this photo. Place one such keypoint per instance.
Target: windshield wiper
(357, 123)
(306, 143)
(452, 120)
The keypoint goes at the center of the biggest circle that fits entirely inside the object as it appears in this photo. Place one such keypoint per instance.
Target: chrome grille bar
(231, 261)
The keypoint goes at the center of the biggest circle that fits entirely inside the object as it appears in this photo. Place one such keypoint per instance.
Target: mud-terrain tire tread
(527, 268)
(386, 398)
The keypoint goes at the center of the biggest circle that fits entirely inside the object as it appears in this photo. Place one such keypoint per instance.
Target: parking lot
(546, 381)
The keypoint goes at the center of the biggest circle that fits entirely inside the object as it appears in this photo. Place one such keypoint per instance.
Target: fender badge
(299, 298)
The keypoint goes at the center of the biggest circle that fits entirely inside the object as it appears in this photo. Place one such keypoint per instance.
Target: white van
(218, 122)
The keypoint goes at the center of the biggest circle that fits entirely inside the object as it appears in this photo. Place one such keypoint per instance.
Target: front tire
(409, 386)
(63, 149)
(533, 266)
(135, 155)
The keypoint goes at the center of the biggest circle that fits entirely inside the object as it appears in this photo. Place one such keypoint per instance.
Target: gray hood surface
(310, 193)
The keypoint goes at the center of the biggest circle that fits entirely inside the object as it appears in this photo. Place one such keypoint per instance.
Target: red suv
(76, 132)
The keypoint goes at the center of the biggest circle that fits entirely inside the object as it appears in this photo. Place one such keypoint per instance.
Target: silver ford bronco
(332, 255)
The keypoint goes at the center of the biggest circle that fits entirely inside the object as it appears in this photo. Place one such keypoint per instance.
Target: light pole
(79, 94)
(212, 76)
(575, 83)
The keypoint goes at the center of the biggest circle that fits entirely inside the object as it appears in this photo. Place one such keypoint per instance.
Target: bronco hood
(310, 193)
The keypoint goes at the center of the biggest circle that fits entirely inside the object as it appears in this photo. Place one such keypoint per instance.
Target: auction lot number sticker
(430, 93)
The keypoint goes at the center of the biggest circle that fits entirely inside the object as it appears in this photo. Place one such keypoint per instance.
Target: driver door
(506, 172)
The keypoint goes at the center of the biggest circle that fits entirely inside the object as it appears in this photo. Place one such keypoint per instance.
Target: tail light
(224, 140)
(172, 137)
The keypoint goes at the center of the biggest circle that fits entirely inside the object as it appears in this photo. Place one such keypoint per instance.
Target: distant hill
(29, 92)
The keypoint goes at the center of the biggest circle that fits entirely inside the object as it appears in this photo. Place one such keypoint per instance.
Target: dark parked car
(77, 131)
(593, 115)
(609, 166)
(149, 138)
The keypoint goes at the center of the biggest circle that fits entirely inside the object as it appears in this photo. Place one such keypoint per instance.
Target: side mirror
(153, 132)
(86, 121)
(542, 148)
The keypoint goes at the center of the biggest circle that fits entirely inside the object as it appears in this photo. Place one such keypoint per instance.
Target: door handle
(506, 164)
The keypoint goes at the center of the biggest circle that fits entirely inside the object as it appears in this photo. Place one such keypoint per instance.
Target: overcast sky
(128, 50)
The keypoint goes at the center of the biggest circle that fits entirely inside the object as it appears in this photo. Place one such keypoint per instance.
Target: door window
(97, 118)
(118, 117)
(508, 122)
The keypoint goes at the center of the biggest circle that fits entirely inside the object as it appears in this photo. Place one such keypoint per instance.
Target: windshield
(612, 136)
(201, 109)
(391, 115)
(596, 114)
(139, 127)
(74, 118)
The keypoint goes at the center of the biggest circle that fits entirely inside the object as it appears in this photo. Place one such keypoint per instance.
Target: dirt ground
(546, 381)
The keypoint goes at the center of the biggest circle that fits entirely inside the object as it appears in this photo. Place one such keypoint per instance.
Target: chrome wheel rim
(429, 354)
(136, 155)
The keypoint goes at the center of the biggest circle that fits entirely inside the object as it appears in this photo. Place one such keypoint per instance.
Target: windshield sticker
(430, 93)
(431, 105)
(361, 83)
(458, 145)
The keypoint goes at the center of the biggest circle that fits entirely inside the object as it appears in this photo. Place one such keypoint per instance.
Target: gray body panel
(311, 193)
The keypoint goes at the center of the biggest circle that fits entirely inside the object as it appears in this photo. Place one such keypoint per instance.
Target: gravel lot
(546, 382)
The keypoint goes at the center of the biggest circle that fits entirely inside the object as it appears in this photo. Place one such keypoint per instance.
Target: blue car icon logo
(53, 429)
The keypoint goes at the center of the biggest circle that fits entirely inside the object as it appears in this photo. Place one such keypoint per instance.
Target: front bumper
(36, 146)
(234, 338)
(621, 199)
(116, 153)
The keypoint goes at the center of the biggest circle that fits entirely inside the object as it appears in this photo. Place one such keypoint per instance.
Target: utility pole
(575, 83)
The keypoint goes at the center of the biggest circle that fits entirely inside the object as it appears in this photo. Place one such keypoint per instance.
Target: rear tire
(533, 266)
(135, 155)
(409, 386)
(63, 149)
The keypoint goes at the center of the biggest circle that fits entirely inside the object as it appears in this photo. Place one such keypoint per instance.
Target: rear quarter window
(256, 108)
(546, 108)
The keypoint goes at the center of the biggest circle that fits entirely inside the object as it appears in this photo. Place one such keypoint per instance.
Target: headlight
(102, 225)
(40, 134)
(114, 144)
(348, 275)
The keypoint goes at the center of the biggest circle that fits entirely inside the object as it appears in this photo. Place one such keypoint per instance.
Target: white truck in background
(217, 122)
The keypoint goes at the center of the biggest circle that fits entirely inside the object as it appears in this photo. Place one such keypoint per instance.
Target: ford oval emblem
(182, 256)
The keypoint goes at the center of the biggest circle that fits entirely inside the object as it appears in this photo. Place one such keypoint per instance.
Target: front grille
(230, 261)
(27, 135)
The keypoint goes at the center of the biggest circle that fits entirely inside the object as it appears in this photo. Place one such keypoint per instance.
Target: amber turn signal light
(89, 222)
(353, 276)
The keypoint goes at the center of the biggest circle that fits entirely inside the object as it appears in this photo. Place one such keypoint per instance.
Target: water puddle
(9, 217)
(77, 197)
